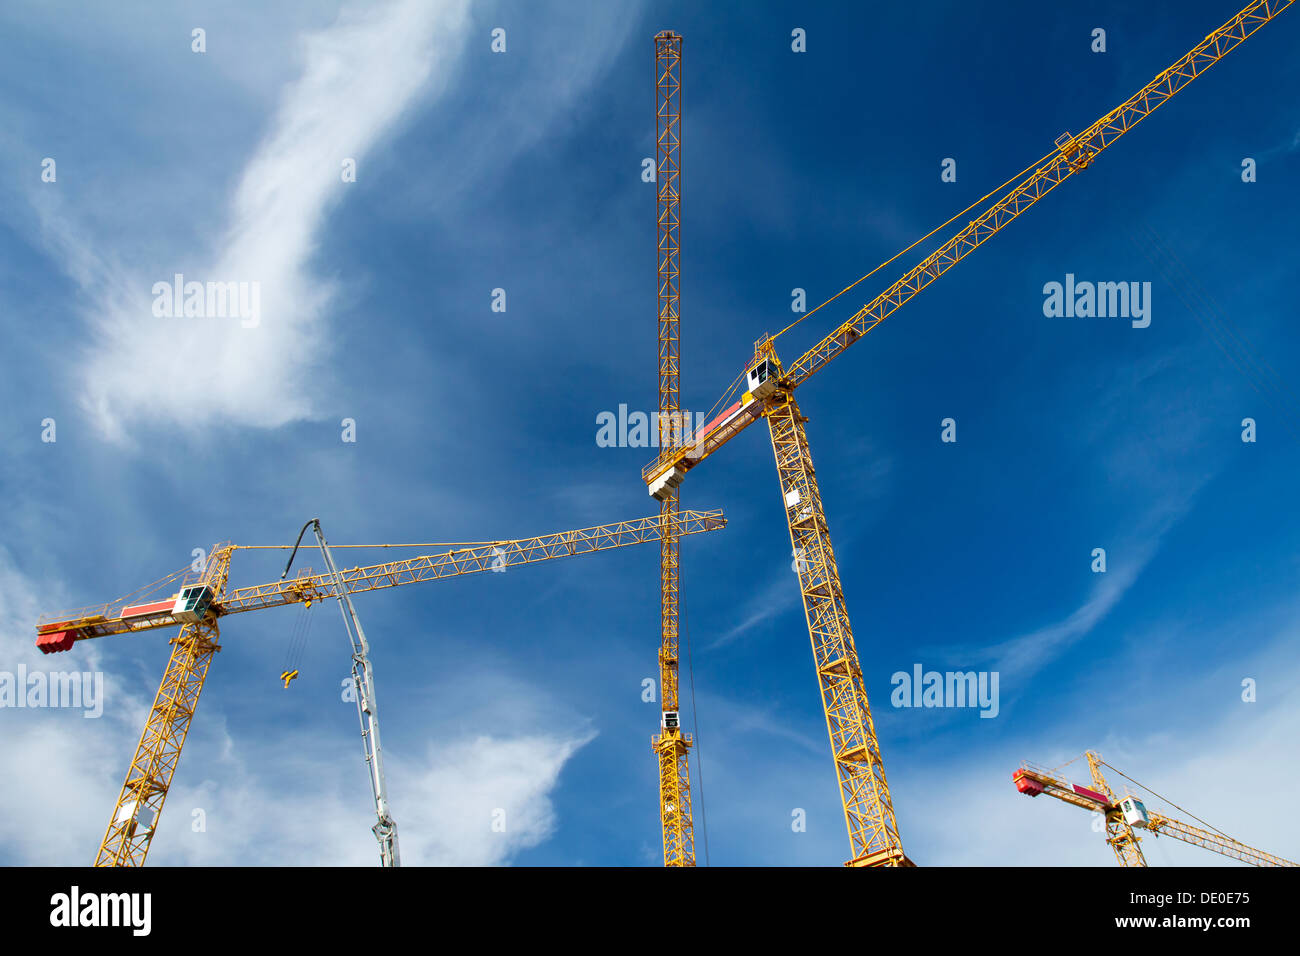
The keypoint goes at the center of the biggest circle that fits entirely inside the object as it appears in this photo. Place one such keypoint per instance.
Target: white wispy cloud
(481, 800)
(778, 597)
(1284, 148)
(1024, 655)
(358, 78)
(1020, 657)
(58, 765)
(469, 801)
(1161, 469)
(780, 594)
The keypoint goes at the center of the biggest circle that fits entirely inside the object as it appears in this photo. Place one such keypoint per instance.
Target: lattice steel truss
(671, 745)
(864, 792)
(140, 803)
(1120, 836)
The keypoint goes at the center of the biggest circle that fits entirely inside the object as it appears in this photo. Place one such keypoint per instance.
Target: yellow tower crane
(202, 600)
(769, 393)
(1126, 815)
(672, 743)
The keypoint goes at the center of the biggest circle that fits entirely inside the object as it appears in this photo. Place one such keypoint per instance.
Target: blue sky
(521, 170)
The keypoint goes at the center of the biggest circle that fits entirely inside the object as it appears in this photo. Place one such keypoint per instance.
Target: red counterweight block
(1027, 784)
(55, 641)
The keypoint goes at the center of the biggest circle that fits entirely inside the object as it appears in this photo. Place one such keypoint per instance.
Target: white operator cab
(758, 380)
(1135, 814)
(672, 720)
(192, 603)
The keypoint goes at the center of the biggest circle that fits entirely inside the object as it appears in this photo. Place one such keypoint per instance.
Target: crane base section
(894, 857)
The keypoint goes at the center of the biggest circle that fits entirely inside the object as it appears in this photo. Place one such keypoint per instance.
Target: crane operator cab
(1135, 813)
(758, 380)
(192, 603)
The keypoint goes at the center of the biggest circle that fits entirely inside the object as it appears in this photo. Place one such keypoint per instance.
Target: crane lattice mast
(672, 744)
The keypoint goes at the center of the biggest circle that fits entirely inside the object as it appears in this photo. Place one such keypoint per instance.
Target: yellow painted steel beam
(671, 744)
(1062, 790)
(859, 768)
(668, 147)
(140, 802)
(1123, 840)
(476, 558)
(1224, 845)
(468, 559)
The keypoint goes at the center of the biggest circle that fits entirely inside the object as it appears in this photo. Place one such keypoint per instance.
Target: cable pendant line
(695, 717)
(292, 650)
(992, 192)
(1036, 163)
(1235, 348)
(1170, 802)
